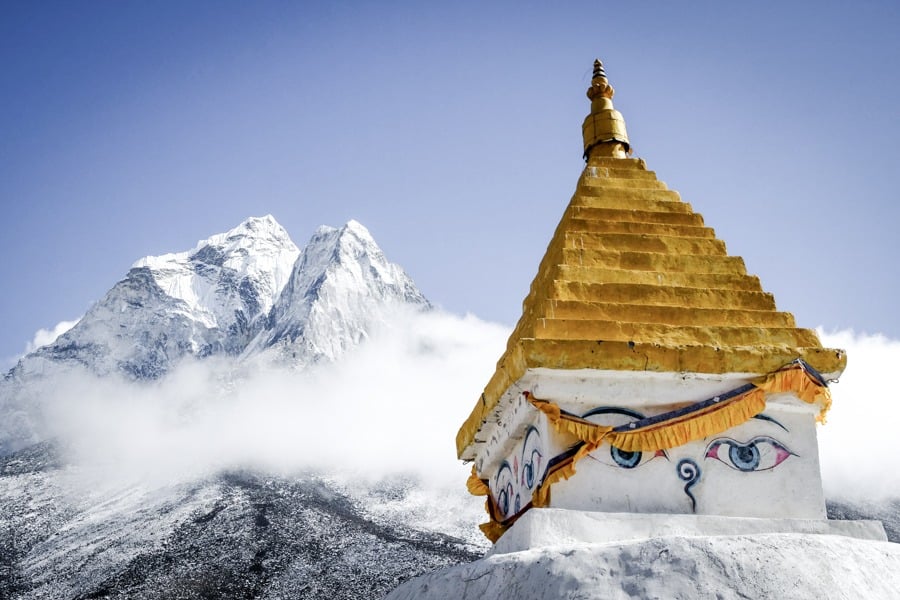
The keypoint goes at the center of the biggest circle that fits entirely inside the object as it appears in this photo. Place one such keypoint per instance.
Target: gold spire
(604, 129)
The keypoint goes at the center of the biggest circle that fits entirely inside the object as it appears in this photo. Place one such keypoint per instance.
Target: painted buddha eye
(505, 489)
(625, 459)
(529, 468)
(503, 502)
(532, 459)
(503, 499)
(759, 454)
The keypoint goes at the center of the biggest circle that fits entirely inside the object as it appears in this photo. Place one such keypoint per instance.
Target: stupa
(650, 382)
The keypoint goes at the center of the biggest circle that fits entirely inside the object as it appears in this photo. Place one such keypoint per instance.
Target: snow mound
(778, 565)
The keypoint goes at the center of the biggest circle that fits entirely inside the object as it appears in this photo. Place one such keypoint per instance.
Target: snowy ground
(728, 567)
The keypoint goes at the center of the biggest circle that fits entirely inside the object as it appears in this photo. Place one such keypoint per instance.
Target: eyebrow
(613, 410)
(763, 417)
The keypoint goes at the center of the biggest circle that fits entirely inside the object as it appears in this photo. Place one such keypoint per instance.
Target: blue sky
(452, 131)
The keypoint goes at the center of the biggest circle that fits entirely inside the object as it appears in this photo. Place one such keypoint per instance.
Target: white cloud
(47, 336)
(394, 405)
(860, 444)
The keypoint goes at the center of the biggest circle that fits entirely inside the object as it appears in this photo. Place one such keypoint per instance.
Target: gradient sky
(451, 130)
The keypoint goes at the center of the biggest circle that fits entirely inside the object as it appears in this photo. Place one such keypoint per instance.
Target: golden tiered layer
(633, 280)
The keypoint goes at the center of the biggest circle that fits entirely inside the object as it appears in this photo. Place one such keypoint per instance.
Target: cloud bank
(859, 445)
(393, 406)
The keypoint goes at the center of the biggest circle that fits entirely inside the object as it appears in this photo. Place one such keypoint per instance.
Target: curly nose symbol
(689, 471)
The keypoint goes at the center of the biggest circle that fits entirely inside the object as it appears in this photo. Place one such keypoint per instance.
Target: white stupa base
(546, 527)
(769, 565)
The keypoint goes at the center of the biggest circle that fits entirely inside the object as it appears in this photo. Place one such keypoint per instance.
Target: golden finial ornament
(604, 129)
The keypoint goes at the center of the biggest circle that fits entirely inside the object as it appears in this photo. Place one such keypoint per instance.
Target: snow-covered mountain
(210, 300)
(340, 285)
(236, 293)
(243, 301)
(248, 293)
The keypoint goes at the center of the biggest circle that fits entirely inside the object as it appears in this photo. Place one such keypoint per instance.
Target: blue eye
(759, 454)
(745, 458)
(529, 468)
(615, 417)
(505, 489)
(532, 469)
(626, 460)
(503, 499)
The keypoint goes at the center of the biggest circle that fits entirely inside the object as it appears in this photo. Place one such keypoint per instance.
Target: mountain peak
(357, 228)
(351, 227)
(212, 299)
(263, 226)
(237, 293)
(253, 236)
(348, 245)
(267, 220)
(341, 285)
(255, 233)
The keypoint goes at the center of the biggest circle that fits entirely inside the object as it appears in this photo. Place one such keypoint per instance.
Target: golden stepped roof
(633, 280)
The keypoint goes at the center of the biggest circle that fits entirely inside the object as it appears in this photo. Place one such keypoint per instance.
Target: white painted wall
(523, 468)
(757, 469)
(779, 486)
